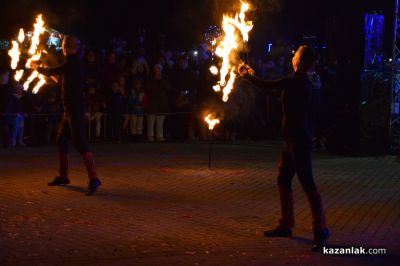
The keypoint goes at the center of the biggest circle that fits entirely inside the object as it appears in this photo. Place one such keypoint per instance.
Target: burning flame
(212, 122)
(35, 57)
(42, 81)
(229, 47)
(18, 74)
(14, 53)
(217, 88)
(214, 70)
(34, 53)
(236, 32)
(229, 87)
(21, 36)
(39, 29)
(30, 79)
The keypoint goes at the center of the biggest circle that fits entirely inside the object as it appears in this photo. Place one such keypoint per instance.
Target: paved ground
(161, 205)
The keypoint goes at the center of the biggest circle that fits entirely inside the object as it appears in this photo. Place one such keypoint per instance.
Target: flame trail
(42, 81)
(214, 70)
(212, 122)
(30, 79)
(14, 53)
(230, 46)
(21, 36)
(236, 32)
(18, 74)
(39, 29)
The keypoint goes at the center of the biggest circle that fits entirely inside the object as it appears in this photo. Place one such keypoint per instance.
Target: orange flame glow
(14, 53)
(214, 70)
(212, 122)
(30, 79)
(229, 47)
(41, 82)
(21, 36)
(18, 74)
(39, 29)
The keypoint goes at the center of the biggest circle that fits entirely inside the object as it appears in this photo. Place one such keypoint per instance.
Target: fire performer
(295, 94)
(72, 124)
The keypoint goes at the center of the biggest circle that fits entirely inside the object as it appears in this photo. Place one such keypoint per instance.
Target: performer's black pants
(296, 158)
(72, 127)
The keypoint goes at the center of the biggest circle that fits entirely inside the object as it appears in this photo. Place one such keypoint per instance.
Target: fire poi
(32, 54)
(235, 34)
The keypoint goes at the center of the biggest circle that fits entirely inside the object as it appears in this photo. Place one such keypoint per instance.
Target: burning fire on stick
(235, 34)
(33, 54)
(212, 122)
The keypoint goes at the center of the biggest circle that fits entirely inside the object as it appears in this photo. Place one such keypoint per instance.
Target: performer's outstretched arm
(271, 87)
(51, 71)
(47, 71)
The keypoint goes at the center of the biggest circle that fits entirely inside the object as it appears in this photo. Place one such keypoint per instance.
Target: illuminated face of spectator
(115, 87)
(111, 58)
(91, 57)
(92, 90)
(157, 71)
(140, 69)
(137, 85)
(183, 64)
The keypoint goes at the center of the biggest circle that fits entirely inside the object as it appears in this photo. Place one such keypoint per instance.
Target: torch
(212, 122)
(235, 35)
(33, 53)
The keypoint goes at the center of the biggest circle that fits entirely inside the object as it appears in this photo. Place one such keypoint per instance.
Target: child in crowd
(94, 112)
(18, 120)
(115, 111)
(136, 101)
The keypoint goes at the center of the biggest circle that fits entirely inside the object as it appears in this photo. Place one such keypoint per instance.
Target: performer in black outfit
(295, 93)
(72, 124)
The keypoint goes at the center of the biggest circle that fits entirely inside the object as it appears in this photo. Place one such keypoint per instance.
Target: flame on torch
(18, 74)
(214, 70)
(212, 122)
(30, 79)
(21, 36)
(229, 46)
(41, 82)
(217, 88)
(39, 29)
(35, 57)
(14, 53)
(34, 53)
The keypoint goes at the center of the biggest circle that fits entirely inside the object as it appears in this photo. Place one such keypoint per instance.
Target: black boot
(59, 181)
(320, 238)
(278, 232)
(94, 184)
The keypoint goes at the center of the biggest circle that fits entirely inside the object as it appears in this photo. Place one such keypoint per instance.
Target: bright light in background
(269, 49)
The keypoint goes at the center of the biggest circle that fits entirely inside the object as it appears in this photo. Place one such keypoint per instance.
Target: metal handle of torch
(209, 149)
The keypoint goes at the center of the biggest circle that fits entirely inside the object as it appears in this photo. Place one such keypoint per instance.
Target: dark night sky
(183, 20)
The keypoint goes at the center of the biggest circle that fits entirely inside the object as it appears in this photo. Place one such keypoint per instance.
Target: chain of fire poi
(235, 34)
(33, 54)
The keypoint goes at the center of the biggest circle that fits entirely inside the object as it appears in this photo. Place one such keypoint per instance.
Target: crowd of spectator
(134, 95)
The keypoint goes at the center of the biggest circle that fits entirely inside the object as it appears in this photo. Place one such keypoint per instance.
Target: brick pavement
(161, 205)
